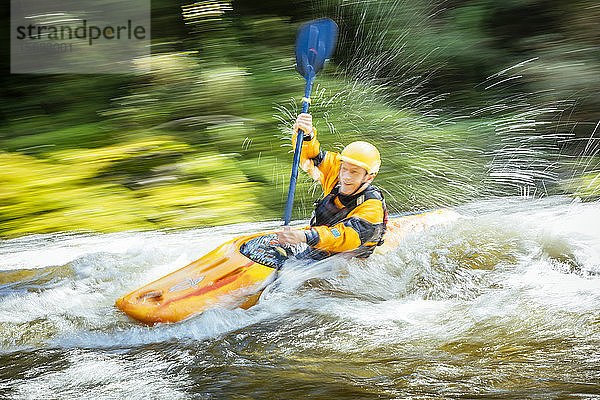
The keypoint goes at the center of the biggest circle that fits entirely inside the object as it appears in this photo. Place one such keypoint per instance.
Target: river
(503, 303)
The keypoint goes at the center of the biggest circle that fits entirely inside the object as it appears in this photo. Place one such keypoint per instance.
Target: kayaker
(351, 216)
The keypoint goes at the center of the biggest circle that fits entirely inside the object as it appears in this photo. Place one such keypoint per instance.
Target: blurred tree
(466, 95)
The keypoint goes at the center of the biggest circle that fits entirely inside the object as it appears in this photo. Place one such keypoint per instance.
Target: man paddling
(351, 216)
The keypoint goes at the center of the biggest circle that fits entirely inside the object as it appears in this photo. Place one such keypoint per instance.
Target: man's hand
(304, 122)
(289, 236)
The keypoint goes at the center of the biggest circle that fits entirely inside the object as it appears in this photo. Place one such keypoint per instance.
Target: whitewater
(502, 303)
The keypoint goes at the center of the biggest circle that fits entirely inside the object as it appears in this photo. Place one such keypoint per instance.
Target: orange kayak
(234, 274)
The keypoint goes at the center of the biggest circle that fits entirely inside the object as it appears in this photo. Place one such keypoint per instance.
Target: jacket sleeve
(363, 226)
(322, 166)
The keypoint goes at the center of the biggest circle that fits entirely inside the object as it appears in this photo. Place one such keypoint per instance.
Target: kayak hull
(227, 278)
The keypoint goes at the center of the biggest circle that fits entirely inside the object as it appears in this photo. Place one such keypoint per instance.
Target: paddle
(315, 42)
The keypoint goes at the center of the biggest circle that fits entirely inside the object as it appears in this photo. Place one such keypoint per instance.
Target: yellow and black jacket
(340, 223)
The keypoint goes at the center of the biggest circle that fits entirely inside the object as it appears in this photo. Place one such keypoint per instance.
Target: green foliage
(77, 136)
(586, 185)
(203, 136)
(63, 192)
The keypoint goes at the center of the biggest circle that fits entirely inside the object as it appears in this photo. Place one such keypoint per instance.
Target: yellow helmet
(362, 154)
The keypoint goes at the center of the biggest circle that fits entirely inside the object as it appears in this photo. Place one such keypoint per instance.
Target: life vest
(335, 207)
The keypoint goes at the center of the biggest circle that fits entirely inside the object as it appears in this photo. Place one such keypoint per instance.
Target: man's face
(351, 178)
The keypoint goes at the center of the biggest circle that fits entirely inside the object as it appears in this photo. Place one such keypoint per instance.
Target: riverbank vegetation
(465, 101)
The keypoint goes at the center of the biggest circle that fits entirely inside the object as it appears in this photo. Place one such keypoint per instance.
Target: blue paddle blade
(315, 43)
